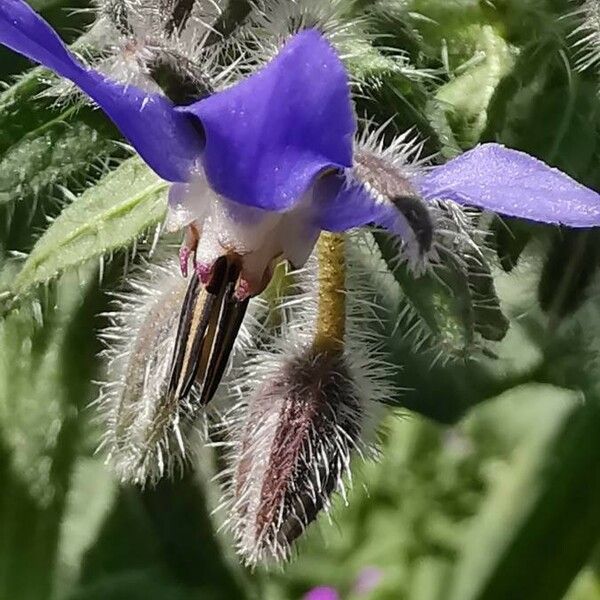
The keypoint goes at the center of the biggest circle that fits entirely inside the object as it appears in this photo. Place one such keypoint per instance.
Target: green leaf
(425, 379)
(19, 111)
(92, 492)
(58, 152)
(569, 271)
(107, 217)
(510, 238)
(453, 308)
(541, 521)
(42, 147)
(45, 383)
(165, 531)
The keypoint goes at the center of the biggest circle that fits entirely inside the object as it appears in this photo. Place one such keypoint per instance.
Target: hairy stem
(235, 13)
(331, 315)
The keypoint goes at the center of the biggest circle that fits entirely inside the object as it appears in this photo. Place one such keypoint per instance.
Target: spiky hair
(587, 35)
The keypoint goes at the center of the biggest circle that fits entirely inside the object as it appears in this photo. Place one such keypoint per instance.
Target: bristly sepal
(441, 263)
(587, 36)
(147, 433)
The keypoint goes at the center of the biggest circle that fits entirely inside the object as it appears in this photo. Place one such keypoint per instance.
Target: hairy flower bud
(307, 405)
(146, 433)
(300, 428)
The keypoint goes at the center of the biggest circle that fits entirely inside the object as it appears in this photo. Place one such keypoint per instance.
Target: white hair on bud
(272, 22)
(145, 437)
(404, 152)
(302, 414)
(587, 35)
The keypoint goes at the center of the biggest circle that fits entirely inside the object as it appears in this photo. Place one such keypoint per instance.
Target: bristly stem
(331, 309)
(233, 15)
(181, 11)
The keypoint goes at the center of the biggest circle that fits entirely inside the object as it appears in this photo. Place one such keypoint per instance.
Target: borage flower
(259, 169)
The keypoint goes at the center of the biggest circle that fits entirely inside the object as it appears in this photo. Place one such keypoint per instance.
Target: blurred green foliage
(488, 487)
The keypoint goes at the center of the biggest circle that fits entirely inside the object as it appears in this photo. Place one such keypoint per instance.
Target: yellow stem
(331, 315)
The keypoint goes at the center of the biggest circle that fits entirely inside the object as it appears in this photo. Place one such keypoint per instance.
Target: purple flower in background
(322, 593)
(368, 579)
(261, 168)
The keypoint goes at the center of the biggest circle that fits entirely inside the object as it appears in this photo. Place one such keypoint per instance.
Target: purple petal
(269, 136)
(322, 593)
(512, 183)
(342, 204)
(166, 139)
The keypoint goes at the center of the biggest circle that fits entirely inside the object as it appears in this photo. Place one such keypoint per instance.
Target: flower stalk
(331, 303)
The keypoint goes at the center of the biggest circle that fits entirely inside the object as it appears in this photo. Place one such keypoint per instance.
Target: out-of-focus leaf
(165, 530)
(541, 520)
(587, 584)
(92, 492)
(32, 362)
(107, 217)
(447, 26)
(143, 584)
(568, 272)
(45, 375)
(65, 15)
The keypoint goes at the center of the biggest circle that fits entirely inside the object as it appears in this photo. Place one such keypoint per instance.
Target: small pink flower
(322, 593)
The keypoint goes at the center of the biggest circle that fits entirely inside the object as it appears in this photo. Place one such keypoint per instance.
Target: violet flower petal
(342, 204)
(322, 593)
(166, 139)
(270, 135)
(514, 184)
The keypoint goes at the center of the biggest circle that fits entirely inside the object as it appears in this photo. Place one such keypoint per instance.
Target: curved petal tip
(512, 183)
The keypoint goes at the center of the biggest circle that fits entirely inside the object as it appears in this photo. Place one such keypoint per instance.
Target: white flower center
(217, 227)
